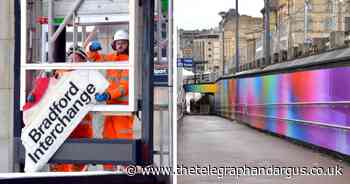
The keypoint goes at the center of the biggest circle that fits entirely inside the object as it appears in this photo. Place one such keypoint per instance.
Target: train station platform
(214, 141)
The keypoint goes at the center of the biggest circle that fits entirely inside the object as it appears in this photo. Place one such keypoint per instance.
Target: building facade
(207, 50)
(185, 44)
(298, 26)
(247, 25)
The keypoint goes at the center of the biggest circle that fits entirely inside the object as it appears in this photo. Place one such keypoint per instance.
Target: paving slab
(217, 142)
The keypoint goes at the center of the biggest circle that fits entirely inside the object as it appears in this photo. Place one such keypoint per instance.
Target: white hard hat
(121, 35)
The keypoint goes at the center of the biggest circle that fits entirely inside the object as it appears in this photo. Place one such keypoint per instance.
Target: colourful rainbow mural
(311, 106)
(201, 88)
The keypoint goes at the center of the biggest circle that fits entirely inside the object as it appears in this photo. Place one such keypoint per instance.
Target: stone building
(247, 24)
(207, 49)
(297, 26)
(185, 44)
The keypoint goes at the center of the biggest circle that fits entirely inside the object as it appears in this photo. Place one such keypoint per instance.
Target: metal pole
(147, 83)
(65, 21)
(237, 38)
(290, 39)
(267, 31)
(159, 58)
(339, 15)
(171, 79)
(279, 39)
(56, 46)
(161, 133)
(195, 72)
(17, 114)
(50, 30)
(75, 30)
(223, 50)
(305, 20)
(159, 31)
(334, 9)
(83, 35)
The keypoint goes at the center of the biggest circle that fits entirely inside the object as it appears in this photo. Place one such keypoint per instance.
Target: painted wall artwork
(201, 88)
(311, 106)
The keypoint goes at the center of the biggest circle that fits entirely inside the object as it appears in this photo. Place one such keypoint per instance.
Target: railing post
(147, 83)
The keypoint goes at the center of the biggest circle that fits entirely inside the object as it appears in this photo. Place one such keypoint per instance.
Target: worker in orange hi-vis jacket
(118, 126)
(84, 129)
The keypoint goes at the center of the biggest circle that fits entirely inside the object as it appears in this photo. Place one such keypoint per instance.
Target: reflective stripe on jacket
(118, 79)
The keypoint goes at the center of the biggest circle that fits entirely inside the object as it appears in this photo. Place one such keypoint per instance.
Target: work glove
(95, 46)
(30, 98)
(100, 97)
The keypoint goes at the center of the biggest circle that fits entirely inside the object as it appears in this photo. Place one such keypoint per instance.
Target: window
(347, 23)
(164, 26)
(327, 24)
(164, 52)
(164, 34)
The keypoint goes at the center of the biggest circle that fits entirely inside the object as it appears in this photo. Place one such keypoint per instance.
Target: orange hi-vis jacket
(95, 56)
(116, 127)
(118, 79)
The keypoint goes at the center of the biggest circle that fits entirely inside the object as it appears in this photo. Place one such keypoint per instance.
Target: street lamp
(267, 31)
(307, 7)
(223, 14)
(237, 38)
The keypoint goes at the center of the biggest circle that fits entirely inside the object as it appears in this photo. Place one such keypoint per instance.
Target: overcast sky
(201, 14)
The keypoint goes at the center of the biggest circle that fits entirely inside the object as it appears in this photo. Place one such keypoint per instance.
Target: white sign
(61, 109)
